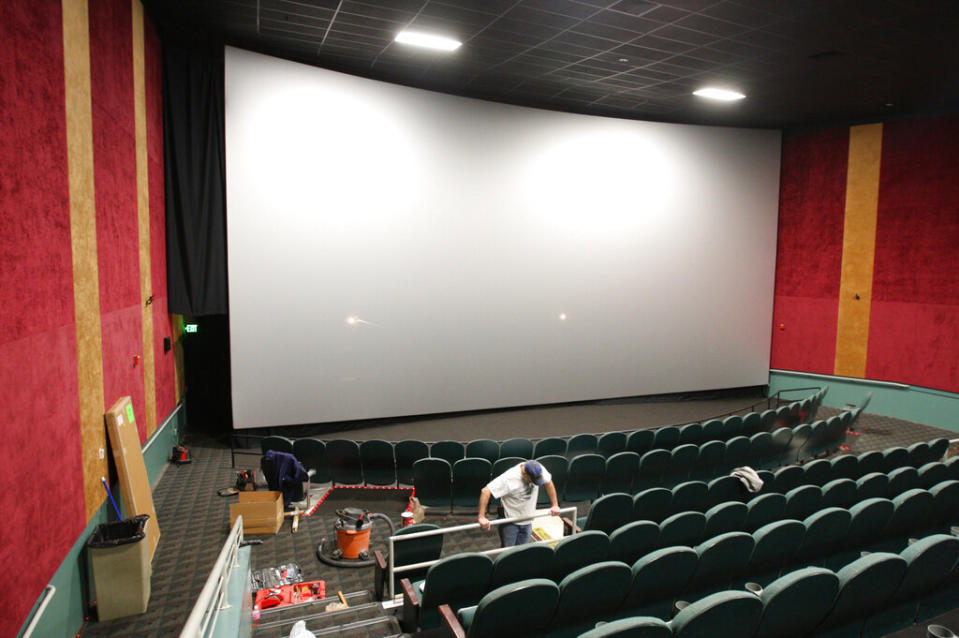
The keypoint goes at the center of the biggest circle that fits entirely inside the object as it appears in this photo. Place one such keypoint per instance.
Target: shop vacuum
(353, 527)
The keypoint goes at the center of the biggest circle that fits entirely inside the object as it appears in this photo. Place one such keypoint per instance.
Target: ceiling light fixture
(426, 40)
(719, 94)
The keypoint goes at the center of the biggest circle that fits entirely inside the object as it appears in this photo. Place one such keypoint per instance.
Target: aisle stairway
(364, 618)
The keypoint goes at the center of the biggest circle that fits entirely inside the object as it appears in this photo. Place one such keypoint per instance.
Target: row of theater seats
(586, 476)
(379, 462)
(793, 489)
(870, 597)
(672, 561)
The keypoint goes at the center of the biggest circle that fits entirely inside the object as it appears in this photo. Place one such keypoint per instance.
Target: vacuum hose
(352, 562)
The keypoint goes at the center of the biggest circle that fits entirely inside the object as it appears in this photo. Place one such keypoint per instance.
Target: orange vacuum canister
(353, 527)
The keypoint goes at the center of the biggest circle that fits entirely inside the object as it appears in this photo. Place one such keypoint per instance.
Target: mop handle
(110, 494)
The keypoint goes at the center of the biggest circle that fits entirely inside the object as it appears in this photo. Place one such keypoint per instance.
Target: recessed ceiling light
(719, 94)
(427, 40)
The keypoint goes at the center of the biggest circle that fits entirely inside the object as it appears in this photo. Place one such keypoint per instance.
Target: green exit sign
(189, 327)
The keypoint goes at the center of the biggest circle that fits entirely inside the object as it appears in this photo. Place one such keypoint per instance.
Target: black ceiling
(802, 63)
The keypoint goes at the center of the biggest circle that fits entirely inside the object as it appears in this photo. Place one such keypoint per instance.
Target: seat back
(407, 453)
(752, 423)
(730, 614)
(591, 593)
(470, 475)
(945, 502)
(629, 542)
(312, 454)
(938, 449)
(787, 478)
(416, 550)
(713, 430)
(737, 453)
(654, 504)
(520, 563)
(867, 518)
(864, 585)
(691, 433)
(732, 426)
(586, 472)
(581, 444)
(521, 447)
(640, 441)
(483, 449)
(797, 445)
(506, 462)
(722, 559)
(449, 451)
(902, 479)
(620, 469)
(795, 603)
(872, 485)
(609, 512)
(573, 552)
(818, 472)
(682, 459)
(825, 532)
(918, 453)
(929, 561)
(725, 517)
(549, 446)
(779, 447)
(775, 543)
(802, 501)
(458, 580)
(652, 466)
(684, 528)
(520, 608)
(432, 480)
(930, 474)
(658, 578)
(276, 443)
(840, 492)
(689, 497)
(611, 443)
(666, 437)
(894, 457)
(343, 459)
(631, 628)
(764, 509)
(724, 488)
(761, 450)
(558, 467)
(872, 461)
(912, 509)
(379, 465)
(709, 460)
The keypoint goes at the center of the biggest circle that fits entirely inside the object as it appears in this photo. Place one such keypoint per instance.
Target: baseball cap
(534, 471)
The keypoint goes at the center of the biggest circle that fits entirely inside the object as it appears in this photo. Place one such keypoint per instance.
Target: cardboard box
(262, 512)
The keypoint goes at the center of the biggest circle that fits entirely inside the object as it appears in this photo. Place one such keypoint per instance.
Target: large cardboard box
(262, 512)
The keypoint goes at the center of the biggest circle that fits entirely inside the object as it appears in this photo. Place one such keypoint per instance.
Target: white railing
(211, 598)
(393, 569)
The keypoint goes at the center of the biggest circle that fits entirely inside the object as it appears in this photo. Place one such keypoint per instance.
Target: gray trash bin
(120, 560)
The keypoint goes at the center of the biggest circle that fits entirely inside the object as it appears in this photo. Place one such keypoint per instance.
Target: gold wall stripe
(858, 250)
(143, 216)
(83, 240)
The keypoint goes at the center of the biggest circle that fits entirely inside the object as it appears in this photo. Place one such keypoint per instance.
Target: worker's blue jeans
(512, 534)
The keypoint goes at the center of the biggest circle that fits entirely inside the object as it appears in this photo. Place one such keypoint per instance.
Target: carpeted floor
(194, 521)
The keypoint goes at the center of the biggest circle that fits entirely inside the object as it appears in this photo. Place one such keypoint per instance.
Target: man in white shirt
(517, 488)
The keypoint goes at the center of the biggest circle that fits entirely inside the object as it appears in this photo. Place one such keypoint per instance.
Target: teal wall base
(908, 402)
(66, 610)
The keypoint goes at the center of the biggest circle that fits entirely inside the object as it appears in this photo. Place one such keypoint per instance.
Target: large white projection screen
(394, 251)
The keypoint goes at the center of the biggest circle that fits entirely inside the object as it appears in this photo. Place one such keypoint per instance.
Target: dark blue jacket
(288, 473)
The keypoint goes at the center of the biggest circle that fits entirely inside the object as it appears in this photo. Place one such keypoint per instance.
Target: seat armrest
(410, 620)
(452, 624)
(380, 573)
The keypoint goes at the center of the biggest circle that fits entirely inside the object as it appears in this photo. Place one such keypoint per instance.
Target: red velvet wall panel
(914, 330)
(114, 158)
(164, 362)
(38, 351)
(809, 251)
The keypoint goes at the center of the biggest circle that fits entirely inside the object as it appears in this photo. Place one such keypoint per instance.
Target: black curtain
(193, 133)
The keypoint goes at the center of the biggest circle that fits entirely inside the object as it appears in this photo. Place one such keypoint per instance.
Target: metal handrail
(462, 528)
(209, 602)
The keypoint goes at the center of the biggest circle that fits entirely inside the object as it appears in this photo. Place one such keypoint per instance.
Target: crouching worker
(517, 489)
